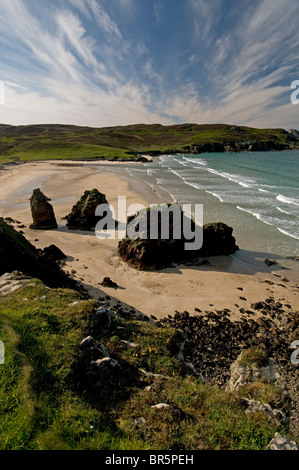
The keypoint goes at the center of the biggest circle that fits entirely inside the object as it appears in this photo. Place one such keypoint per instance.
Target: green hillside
(42, 142)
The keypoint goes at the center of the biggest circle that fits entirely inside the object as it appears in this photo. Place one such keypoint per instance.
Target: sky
(102, 63)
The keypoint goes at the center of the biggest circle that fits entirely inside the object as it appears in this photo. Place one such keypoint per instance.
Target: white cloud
(71, 28)
(60, 74)
(206, 14)
(103, 19)
(157, 11)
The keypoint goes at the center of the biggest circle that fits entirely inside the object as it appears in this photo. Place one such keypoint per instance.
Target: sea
(255, 193)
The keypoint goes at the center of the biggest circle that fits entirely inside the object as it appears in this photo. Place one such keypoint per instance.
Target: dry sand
(225, 284)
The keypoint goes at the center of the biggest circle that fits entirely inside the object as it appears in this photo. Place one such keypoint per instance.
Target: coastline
(227, 284)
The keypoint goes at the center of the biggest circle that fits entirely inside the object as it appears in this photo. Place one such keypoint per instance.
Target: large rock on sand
(82, 215)
(145, 253)
(42, 212)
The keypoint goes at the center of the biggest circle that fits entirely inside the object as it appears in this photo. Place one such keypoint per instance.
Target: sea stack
(42, 212)
(82, 216)
(144, 253)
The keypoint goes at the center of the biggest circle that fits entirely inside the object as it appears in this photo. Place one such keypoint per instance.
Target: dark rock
(145, 253)
(269, 262)
(106, 318)
(82, 216)
(18, 254)
(42, 212)
(142, 159)
(54, 252)
(227, 338)
(108, 283)
(259, 305)
(93, 349)
(9, 220)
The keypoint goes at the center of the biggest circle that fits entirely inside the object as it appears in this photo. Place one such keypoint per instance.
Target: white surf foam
(287, 200)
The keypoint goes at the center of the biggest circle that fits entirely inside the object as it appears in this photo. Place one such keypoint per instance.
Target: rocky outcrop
(18, 254)
(42, 212)
(218, 240)
(11, 282)
(294, 133)
(82, 215)
(228, 339)
(256, 407)
(246, 145)
(235, 354)
(244, 374)
(97, 373)
(280, 442)
(152, 254)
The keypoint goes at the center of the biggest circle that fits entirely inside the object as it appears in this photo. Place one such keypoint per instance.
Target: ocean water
(255, 193)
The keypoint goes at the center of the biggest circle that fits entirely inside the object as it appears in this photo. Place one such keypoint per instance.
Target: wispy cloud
(157, 11)
(206, 14)
(99, 62)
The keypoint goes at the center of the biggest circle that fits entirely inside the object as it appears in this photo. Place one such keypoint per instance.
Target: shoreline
(226, 284)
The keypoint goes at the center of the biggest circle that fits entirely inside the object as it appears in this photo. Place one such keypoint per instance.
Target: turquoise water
(255, 193)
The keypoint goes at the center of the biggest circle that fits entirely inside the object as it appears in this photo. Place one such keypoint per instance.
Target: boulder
(218, 240)
(106, 318)
(54, 252)
(82, 215)
(280, 442)
(270, 262)
(107, 282)
(145, 253)
(42, 212)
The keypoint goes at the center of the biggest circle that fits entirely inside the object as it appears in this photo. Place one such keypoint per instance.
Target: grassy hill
(42, 142)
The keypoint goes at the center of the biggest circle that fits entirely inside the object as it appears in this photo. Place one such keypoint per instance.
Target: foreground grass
(42, 409)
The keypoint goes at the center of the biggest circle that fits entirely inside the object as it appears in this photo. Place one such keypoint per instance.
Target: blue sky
(116, 62)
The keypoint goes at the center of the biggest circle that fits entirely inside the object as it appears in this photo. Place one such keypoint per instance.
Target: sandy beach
(225, 284)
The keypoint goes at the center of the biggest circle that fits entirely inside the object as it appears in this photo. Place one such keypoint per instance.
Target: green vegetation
(43, 142)
(43, 408)
(255, 357)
